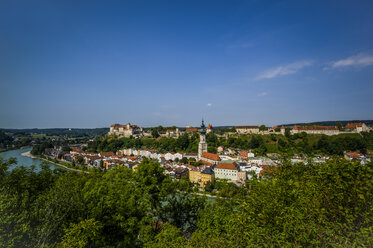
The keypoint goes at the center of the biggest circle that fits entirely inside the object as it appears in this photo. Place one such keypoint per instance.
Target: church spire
(203, 128)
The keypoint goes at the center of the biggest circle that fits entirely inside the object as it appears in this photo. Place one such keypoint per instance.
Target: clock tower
(202, 146)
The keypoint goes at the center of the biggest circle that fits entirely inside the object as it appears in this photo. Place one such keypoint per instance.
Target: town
(227, 163)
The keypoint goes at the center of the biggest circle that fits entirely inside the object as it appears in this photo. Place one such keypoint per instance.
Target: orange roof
(211, 156)
(244, 153)
(354, 125)
(226, 166)
(207, 163)
(191, 129)
(106, 154)
(209, 126)
(282, 127)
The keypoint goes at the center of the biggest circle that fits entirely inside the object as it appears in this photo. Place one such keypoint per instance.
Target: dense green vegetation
(324, 205)
(63, 132)
(261, 144)
(333, 123)
(5, 140)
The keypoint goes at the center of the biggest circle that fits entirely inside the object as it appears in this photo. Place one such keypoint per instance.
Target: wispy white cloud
(209, 104)
(285, 69)
(360, 60)
(263, 94)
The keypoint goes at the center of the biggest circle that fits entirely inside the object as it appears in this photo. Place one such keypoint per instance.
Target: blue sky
(94, 63)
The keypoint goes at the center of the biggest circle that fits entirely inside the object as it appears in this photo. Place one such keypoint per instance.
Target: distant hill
(330, 123)
(68, 132)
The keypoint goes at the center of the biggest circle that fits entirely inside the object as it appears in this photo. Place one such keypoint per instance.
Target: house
(357, 127)
(202, 177)
(173, 133)
(191, 155)
(180, 172)
(210, 158)
(195, 175)
(220, 149)
(169, 156)
(207, 175)
(106, 154)
(247, 129)
(191, 130)
(241, 175)
(226, 171)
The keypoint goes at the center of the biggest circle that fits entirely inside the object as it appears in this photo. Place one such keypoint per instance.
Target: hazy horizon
(170, 125)
(88, 64)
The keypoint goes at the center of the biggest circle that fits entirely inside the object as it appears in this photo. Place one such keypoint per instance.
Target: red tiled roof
(106, 154)
(211, 156)
(227, 166)
(354, 125)
(209, 126)
(206, 163)
(191, 129)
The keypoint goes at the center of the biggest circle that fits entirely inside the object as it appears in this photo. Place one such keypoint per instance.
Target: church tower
(202, 146)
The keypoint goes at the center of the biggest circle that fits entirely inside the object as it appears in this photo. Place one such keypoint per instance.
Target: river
(23, 159)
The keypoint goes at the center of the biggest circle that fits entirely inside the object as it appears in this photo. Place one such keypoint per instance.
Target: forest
(323, 205)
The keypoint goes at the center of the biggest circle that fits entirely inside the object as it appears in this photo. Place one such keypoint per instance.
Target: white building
(247, 129)
(357, 127)
(226, 171)
(125, 130)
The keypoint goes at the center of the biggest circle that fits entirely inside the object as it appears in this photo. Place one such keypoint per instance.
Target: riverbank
(28, 154)
(14, 148)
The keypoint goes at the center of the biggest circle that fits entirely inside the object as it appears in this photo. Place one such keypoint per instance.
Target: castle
(125, 130)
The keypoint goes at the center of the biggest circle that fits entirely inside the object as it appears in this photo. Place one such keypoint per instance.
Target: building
(106, 154)
(125, 130)
(195, 176)
(357, 127)
(207, 175)
(202, 177)
(226, 171)
(173, 133)
(247, 129)
(202, 146)
(191, 130)
(210, 158)
(327, 130)
(209, 128)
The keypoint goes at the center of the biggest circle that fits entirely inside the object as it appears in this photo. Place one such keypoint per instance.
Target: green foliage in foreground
(323, 205)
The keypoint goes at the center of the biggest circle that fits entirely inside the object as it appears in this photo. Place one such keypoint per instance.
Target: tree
(81, 234)
(340, 126)
(155, 133)
(262, 128)
(287, 132)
